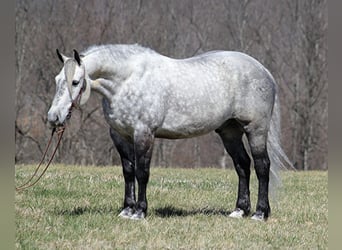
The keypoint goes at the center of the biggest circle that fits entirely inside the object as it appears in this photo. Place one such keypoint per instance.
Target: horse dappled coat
(147, 95)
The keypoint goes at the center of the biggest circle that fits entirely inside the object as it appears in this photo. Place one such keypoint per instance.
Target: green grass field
(77, 208)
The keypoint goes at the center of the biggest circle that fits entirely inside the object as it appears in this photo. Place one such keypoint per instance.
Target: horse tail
(278, 158)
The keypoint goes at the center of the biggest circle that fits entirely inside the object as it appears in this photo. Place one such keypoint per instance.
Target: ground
(75, 207)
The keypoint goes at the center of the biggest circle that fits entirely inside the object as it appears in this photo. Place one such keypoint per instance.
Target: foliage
(289, 37)
(75, 207)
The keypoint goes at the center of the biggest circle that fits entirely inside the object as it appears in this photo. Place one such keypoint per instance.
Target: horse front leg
(143, 147)
(129, 198)
(126, 152)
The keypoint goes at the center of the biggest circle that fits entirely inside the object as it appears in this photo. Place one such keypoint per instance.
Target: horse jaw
(86, 94)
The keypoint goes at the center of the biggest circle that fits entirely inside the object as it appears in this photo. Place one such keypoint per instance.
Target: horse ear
(61, 57)
(77, 57)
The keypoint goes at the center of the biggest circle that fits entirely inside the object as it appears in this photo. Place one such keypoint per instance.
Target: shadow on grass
(80, 210)
(164, 212)
(170, 211)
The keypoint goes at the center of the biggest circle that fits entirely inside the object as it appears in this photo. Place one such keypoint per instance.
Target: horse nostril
(54, 123)
(53, 118)
(68, 115)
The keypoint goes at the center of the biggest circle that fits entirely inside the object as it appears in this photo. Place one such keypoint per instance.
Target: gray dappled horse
(147, 95)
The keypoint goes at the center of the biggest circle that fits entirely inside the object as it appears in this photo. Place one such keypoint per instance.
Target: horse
(147, 95)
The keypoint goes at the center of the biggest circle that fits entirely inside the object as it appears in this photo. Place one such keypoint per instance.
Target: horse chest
(124, 112)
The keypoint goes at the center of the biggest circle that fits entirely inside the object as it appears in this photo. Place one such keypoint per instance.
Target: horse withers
(147, 95)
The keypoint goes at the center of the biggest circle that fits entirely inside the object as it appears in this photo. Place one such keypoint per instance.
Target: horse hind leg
(258, 145)
(231, 136)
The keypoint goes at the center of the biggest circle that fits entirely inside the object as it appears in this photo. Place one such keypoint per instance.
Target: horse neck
(112, 61)
(100, 65)
(105, 72)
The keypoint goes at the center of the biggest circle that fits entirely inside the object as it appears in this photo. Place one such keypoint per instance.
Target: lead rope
(60, 132)
(27, 184)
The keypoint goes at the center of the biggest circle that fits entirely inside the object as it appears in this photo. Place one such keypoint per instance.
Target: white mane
(118, 50)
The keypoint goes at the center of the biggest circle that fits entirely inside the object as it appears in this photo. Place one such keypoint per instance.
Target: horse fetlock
(129, 202)
(262, 212)
(141, 206)
(243, 203)
(138, 215)
(133, 214)
(237, 213)
(126, 213)
(259, 216)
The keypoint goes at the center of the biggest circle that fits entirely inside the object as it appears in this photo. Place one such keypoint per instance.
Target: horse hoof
(259, 216)
(126, 213)
(138, 215)
(237, 213)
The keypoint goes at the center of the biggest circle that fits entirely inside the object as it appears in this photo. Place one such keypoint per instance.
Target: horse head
(72, 88)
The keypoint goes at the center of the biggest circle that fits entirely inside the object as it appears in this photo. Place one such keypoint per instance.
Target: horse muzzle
(55, 119)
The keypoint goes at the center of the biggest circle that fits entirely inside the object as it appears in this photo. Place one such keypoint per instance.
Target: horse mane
(123, 51)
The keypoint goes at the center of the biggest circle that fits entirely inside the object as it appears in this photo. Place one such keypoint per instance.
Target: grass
(76, 207)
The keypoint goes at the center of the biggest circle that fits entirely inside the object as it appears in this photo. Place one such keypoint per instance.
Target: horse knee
(142, 174)
(128, 170)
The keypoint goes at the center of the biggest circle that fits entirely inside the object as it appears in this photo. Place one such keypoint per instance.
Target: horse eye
(75, 83)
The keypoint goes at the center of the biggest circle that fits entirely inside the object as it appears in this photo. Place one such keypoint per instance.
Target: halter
(76, 102)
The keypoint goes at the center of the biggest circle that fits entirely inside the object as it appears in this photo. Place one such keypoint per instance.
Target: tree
(288, 37)
(307, 60)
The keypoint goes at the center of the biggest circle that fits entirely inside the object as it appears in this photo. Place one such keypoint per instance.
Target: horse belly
(186, 125)
(196, 106)
(182, 133)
